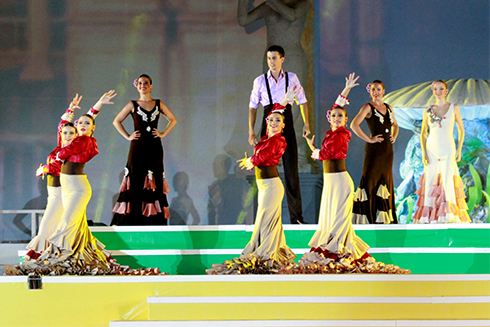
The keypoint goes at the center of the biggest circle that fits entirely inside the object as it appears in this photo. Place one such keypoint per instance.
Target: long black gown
(143, 199)
(374, 201)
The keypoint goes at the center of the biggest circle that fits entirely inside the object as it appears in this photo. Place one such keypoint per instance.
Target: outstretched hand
(75, 102)
(291, 94)
(350, 82)
(245, 163)
(107, 97)
(40, 171)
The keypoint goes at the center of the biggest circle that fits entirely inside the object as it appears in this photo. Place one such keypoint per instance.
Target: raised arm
(290, 13)
(459, 123)
(350, 83)
(121, 116)
(423, 137)
(246, 17)
(356, 128)
(104, 99)
(172, 121)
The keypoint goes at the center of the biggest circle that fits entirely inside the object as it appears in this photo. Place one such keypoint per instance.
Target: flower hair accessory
(329, 114)
(135, 82)
(368, 88)
(75, 123)
(432, 85)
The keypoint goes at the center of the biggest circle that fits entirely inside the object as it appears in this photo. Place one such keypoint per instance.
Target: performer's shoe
(299, 222)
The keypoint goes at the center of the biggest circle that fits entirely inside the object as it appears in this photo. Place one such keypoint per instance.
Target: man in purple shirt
(268, 89)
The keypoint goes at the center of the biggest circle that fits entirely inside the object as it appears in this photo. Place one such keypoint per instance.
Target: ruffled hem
(319, 261)
(123, 208)
(384, 217)
(360, 195)
(166, 189)
(441, 211)
(383, 192)
(359, 219)
(125, 185)
(56, 265)
(150, 182)
(247, 264)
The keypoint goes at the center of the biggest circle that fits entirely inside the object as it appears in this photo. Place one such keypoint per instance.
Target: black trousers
(290, 162)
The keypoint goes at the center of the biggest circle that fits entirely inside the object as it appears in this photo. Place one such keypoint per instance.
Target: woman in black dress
(143, 199)
(374, 201)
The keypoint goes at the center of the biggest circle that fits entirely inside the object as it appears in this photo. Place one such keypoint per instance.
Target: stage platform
(253, 300)
(449, 285)
(190, 250)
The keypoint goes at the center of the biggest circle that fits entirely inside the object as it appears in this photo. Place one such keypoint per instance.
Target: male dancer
(268, 89)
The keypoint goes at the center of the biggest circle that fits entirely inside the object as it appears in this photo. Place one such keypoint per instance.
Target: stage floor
(190, 250)
(252, 300)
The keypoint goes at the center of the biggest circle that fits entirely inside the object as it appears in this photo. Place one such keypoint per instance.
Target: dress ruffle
(442, 210)
(149, 208)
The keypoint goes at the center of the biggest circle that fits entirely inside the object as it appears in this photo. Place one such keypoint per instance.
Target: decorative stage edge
(368, 299)
(190, 250)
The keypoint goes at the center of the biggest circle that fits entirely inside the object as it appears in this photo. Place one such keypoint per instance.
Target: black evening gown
(143, 200)
(374, 201)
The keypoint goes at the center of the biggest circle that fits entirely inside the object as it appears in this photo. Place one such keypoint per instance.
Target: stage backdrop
(203, 64)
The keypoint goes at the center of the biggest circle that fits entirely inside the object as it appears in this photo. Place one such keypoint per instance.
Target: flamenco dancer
(335, 233)
(335, 246)
(143, 199)
(54, 207)
(441, 195)
(374, 201)
(267, 247)
(73, 249)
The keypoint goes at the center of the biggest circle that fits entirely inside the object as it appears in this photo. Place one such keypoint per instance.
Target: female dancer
(73, 238)
(374, 201)
(268, 240)
(335, 233)
(142, 200)
(441, 195)
(54, 208)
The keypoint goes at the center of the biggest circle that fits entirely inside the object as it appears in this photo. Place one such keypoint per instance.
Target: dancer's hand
(290, 94)
(252, 139)
(376, 139)
(245, 163)
(392, 139)
(156, 133)
(75, 102)
(351, 81)
(40, 171)
(107, 97)
(136, 135)
(310, 141)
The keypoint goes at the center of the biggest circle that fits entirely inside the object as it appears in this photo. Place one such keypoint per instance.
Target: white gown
(441, 195)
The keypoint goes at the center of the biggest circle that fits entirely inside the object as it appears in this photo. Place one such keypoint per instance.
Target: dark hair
(440, 81)
(147, 76)
(69, 124)
(377, 81)
(89, 116)
(276, 48)
(341, 108)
